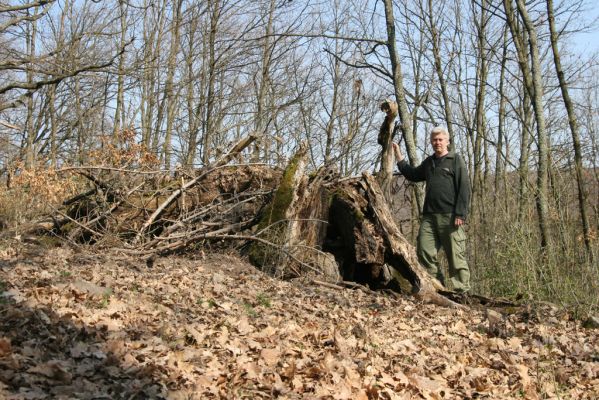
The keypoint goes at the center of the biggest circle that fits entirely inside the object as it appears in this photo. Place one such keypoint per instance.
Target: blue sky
(589, 41)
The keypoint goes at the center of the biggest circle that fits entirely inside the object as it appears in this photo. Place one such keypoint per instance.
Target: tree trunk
(120, 96)
(479, 116)
(208, 122)
(573, 123)
(532, 77)
(400, 95)
(500, 154)
(439, 70)
(169, 91)
(348, 218)
(29, 130)
(385, 139)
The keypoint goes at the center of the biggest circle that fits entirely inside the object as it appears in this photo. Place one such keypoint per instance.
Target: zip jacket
(447, 183)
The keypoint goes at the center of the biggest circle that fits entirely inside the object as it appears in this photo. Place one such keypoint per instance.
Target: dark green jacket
(447, 183)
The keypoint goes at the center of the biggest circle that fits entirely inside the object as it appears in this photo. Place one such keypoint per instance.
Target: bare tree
(574, 130)
(532, 76)
(405, 118)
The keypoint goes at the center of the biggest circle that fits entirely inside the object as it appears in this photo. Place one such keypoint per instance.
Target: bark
(330, 129)
(479, 116)
(532, 76)
(260, 123)
(153, 37)
(500, 154)
(169, 91)
(385, 139)
(31, 40)
(120, 91)
(364, 238)
(526, 118)
(208, 122)
(81, 153)
(192, 114)
(279, 222)
(542, 137)
(439, 70)
(53, 126)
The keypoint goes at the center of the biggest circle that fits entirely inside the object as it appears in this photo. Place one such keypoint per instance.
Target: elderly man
(445, 208)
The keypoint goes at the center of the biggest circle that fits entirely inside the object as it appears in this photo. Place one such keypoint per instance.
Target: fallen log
(234, 151)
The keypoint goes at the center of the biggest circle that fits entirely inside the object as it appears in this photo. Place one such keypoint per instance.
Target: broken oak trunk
(339, 229)
(294, 225)
(385, 139)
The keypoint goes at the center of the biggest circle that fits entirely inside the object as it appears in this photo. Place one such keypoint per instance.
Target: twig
(108, 212)
(105, 168)
(78, 223)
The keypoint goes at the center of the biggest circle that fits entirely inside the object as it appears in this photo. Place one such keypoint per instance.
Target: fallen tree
(290, 223)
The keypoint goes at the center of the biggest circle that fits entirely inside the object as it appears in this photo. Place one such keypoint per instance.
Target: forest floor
(77, 324)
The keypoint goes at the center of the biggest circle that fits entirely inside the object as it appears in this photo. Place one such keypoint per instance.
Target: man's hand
(458, 221)
(397, 152)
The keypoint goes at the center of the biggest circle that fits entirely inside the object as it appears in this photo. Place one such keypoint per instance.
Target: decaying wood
(385, 139)
(400, 253)
(296, 221)
(235, 150)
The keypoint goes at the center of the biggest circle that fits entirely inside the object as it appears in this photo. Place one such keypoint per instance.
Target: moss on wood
(274, 231)
(281, 201)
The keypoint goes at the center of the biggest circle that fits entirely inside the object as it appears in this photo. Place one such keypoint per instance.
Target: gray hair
(439, 130)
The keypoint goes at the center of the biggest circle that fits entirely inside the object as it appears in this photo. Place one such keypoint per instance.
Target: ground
(83, 324)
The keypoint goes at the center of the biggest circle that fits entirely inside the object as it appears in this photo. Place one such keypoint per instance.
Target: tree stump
(316, 219)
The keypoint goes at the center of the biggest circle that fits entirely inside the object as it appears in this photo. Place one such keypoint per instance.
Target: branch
(11, 126)
(22, 7)
(216, 236)
(26, 6)
(369, 66)
(322, 36)
(33, 86)
(104, 168)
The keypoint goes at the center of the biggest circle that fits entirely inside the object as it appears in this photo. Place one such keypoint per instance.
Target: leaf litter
(77, 324)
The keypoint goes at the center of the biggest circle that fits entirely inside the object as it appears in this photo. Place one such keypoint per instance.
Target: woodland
(198, 199)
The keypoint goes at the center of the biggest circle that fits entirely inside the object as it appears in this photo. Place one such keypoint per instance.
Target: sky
(589, 41)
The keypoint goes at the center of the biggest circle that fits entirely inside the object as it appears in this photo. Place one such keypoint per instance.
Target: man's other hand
(459, 221)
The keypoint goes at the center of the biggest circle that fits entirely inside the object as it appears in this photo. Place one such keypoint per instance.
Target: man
(445, 209)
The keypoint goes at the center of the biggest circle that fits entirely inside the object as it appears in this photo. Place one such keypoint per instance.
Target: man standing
(445, 209)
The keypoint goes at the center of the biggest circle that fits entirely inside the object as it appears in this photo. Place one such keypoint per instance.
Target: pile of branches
(154, 212)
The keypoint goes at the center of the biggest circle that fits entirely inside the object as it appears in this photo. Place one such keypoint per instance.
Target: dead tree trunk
(295, 224)
(327, 226)
(362, 222)
(385, 139)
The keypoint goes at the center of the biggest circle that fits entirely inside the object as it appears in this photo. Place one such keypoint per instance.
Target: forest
(143, 141)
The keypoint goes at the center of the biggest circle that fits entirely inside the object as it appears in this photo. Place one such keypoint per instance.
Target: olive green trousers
(438, 231)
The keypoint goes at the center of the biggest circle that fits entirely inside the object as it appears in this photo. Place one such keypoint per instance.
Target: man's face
(440, 143)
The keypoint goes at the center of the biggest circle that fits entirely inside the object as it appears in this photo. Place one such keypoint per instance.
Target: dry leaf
(5, 348)
(53, 369)
(270, 356)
